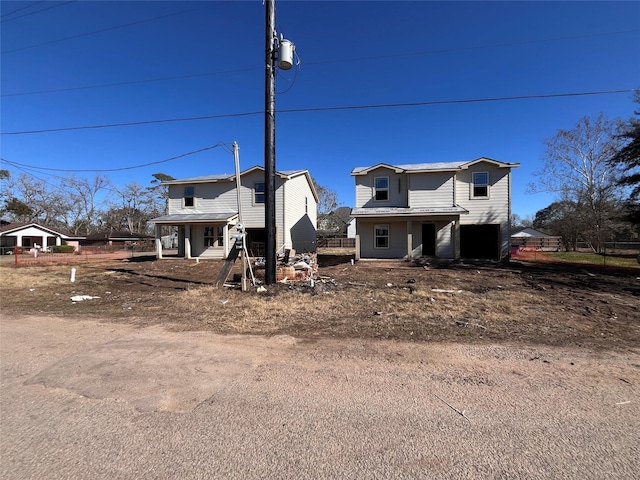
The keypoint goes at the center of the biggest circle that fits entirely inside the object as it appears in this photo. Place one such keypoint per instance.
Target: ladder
(228, 265)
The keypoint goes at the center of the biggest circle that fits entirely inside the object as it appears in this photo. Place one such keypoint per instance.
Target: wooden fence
(545, 244)
(336, 243)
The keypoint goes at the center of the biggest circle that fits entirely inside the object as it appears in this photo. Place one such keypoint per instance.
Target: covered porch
(205, 236)
(408, 232)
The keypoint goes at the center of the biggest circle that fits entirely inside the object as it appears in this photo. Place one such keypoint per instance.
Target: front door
(429, 239)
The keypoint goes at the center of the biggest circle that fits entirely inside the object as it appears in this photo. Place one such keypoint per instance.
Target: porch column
(187, 241)
(357, 247)
(158, 242)
(456, 238)
(225, 244)
(409, 239)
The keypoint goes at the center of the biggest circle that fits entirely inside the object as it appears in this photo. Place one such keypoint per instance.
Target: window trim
(211, 237)
(376, 236)
(376, 189)
(256, 192)
(473, 186)
(216, 233)
(192, 196)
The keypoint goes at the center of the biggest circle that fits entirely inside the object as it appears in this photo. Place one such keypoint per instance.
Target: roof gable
(16, 227)
(365, 170)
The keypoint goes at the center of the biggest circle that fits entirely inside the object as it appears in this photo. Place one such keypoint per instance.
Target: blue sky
(361, 53)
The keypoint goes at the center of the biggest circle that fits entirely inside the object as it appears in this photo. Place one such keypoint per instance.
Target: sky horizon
(112, 85)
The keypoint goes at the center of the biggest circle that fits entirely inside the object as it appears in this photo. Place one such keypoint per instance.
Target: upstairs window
(480, 185)
(258, 192)
(381, 188)
(189, 196)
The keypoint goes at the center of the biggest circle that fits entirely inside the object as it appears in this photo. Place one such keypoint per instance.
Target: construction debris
(290, 267)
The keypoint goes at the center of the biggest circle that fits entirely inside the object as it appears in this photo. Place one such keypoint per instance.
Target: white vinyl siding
(199, 248)
(495, 208)
(397, 239)
(300, 215)
(365, 189)
(431, 189)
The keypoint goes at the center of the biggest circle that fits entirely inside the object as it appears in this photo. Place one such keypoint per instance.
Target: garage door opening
(480, 241)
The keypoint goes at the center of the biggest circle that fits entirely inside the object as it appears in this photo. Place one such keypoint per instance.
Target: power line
(33, 13)
(327, 109)
(320, 62)
(21, 8)
(133, 82)
(115, 27)
(23, 166)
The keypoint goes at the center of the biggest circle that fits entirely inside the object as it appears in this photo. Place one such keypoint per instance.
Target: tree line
(83, 206)
(594, 170)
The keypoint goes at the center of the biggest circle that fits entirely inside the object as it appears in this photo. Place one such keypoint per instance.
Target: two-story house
(204, 210)
(447, 209)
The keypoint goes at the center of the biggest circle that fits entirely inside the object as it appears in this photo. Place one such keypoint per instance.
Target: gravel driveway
(82, 399)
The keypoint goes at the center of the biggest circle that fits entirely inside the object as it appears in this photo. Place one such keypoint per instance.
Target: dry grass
(366, 300)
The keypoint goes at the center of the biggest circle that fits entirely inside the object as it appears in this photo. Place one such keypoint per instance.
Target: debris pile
(291, 267)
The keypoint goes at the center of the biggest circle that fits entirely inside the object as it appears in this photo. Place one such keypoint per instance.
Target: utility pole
(270, 144)
(279, 52)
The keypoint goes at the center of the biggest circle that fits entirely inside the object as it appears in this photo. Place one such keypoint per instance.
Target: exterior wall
(252, 213)
(300, 215)
(209, 197)
(397, 239)
(198, 248)
(431, 189)
(397, 189)
(494, 209)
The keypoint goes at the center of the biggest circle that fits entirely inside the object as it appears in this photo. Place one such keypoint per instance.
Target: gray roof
(179, 218)
(407, 211)
(431, 166)
(228, 177)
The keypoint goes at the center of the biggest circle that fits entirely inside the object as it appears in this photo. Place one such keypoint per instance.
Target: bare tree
(83, 215)
(328, 221)
(576, 167)
(46, 203)
(136, 210)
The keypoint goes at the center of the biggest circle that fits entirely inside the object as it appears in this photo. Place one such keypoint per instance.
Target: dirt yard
(519, 303)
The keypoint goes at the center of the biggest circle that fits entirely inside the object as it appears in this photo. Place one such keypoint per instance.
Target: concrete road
(82, 399)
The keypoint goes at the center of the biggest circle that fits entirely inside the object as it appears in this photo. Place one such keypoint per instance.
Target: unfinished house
(446, 210)
(203, 211)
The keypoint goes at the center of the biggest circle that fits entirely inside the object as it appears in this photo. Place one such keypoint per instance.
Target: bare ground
(460, 302)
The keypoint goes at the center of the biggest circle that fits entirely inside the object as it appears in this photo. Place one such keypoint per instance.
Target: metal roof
(432, 166)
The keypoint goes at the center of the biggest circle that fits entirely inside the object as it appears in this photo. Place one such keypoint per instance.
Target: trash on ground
(81, 298)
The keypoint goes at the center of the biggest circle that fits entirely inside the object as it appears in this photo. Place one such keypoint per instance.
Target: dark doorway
(480, 241)
(429, 239)
(256, 241)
